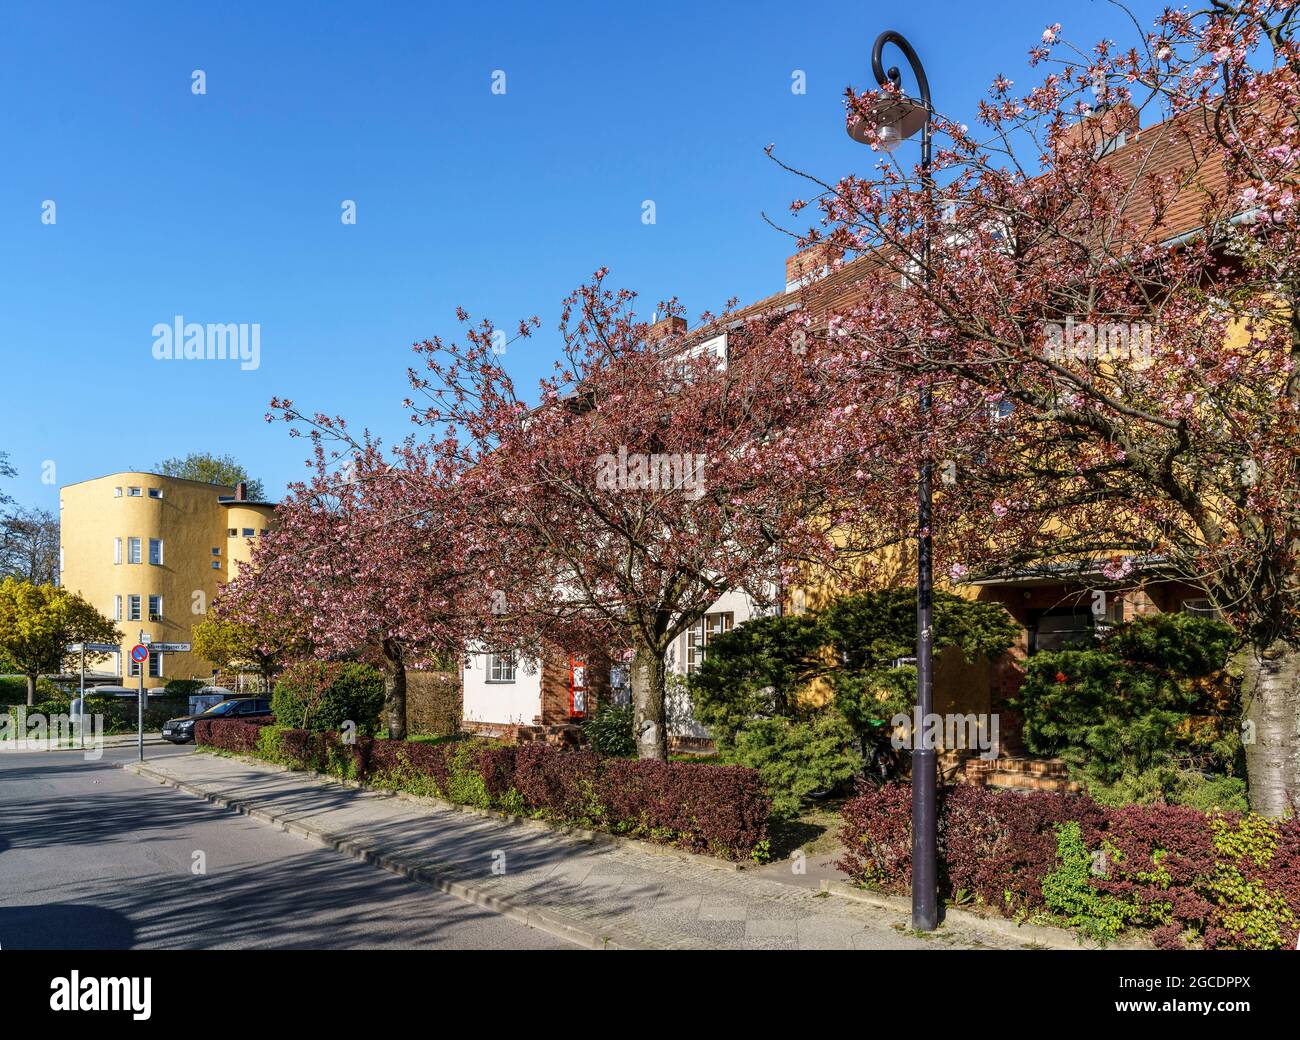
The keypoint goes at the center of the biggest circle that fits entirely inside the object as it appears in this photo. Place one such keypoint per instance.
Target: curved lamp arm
(892, 76)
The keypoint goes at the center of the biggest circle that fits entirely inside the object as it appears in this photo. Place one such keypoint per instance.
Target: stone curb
(568, 830)
(1043, 935)
(549, 921)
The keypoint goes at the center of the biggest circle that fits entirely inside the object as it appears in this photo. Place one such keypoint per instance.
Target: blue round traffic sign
(139, 653)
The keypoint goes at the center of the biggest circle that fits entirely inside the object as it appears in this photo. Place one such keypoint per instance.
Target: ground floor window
(501, 668)
(1059, 628)
(697, 639)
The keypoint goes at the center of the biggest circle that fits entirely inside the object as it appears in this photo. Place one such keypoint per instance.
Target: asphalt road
(92, 857)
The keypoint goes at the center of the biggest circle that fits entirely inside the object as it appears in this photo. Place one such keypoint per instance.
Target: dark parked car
(181, 731)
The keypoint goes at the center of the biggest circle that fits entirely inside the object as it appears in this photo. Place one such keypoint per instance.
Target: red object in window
(577, 688)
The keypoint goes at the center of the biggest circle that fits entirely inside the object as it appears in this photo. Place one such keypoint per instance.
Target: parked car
(181, 730)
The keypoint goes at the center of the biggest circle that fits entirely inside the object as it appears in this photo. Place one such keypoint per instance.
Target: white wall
(520, 702)
(680, 722)
(516, 703)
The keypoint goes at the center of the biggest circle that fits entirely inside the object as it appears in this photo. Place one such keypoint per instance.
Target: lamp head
(894, 118)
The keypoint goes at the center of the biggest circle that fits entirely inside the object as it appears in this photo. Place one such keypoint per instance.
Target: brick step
(1047, 767)
(1025, 782)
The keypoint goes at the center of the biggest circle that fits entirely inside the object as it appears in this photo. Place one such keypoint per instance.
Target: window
(216, 552)
(133, 608)
(248, 532)
(133, 550)
(117, 608)
(117, 492)
(117, 550)
(155, 608)
(132, 669)
(156, 551)
(501, 668)
(232, 532)
(216, 565)
(155, 666)
(155, 492)
(1060, 628)
(133, 492)
(697, 639)
(262, 532)
(1200, 607)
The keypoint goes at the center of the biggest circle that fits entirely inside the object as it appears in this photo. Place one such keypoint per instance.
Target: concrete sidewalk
(598, 893)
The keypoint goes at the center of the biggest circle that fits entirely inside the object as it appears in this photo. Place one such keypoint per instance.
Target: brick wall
(555, 686)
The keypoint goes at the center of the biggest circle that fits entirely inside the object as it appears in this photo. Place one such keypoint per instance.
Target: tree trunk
(649, 722)
(1271, 686)
(31, 689)
(394, 690)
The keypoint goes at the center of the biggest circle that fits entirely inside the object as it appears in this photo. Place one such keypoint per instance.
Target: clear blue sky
(226, 207)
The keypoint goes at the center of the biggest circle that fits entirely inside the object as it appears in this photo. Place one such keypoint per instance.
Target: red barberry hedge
(1194, 879)
(721, 810)
(240, 735)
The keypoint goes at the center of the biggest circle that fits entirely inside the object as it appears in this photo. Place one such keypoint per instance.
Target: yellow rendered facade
(151, 552)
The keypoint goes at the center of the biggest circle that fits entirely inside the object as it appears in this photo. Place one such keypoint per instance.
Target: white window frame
(159, 543)
(117, 608)
(155, 492)
(117, 492)
(502, 668)
(699, 634)
(155, 615)
(134, 492)
(134, 608)
(117, 550)
(133, 550)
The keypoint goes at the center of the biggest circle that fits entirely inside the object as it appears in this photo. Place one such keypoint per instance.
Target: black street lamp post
(895, 118)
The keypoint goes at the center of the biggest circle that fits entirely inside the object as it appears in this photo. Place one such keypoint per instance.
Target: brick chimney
(664, 328)
(241, 491)
(809, 264)
(1101, 130)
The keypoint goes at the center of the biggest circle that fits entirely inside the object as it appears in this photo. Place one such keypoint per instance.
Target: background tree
(38, 622)
(266, 645)
(211, 469)
(29, 546)
(580, 519)
(1082, 457)
(6, 472)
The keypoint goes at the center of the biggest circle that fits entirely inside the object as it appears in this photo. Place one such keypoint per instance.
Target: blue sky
(226, 207)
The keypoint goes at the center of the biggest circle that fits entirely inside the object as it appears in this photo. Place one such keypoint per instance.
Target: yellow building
(151, 552)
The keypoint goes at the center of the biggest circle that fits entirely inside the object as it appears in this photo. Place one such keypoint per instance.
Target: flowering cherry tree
(650, 475)
(365, 558)
(1105, 328)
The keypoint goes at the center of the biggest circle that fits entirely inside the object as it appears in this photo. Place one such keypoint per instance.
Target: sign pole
(139, 702)
(139, 715)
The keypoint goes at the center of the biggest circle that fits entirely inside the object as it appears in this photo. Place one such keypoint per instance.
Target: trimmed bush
(1195, 879)
(721, 810)
(610, 730)
(120, 712)
(1148, 703)
(324, 695)
(797, 759)
(182, 689)
(242, 736)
